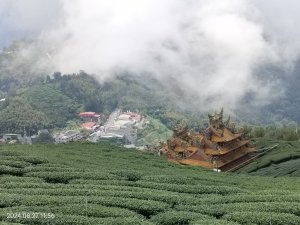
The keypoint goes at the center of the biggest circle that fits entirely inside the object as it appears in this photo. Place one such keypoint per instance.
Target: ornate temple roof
(217, 146)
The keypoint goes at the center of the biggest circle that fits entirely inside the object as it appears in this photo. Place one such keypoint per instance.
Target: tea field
(284, 160)
(89, 184)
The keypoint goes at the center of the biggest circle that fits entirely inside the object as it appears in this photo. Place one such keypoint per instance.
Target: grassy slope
(131, 187)
(284, 160)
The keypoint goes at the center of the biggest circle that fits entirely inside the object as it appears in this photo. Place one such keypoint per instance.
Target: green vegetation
(105, 184)
(154, 131)
(284, 160)
(20, 116)
(38, 107)
(283, 130)
(53, 103)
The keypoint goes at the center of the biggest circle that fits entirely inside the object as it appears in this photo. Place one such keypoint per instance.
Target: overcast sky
(199, 44)
(28, 18)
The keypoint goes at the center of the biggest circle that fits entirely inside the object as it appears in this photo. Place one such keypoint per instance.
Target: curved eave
(227, 136)
(225, 150)
(194, 162)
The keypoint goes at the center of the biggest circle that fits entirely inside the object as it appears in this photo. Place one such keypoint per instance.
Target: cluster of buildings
(90, 122)
(120, 125)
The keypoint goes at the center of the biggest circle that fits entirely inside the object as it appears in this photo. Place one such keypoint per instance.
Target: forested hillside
(36, 98)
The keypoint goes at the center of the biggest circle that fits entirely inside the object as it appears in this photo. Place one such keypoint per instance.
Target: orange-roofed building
(90, 117)
(88, 125)
(218, 146)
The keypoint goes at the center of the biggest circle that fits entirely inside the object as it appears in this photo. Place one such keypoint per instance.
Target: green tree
(19, 116)
(44, 138)
(58, 107)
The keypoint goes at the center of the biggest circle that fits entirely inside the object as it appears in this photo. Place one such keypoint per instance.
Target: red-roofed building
(88, 125)
(89, 117)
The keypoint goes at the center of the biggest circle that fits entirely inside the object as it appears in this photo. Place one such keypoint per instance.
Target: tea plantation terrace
(104, 184)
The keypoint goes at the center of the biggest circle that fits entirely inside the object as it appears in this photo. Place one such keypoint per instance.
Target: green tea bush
(34, 160)
(170, 179)
(8, 223)
(191, 189)
(22, 187)
(253, 197)
(14, 179)
(90, 210)
(29, 159)
(7, 170)
(53, 169)
(138, 193)
(187, 189)
(65, 177)
(14, 163)
(62, 219)
(263, 218)
(143, 207)
(129, 175)
(219, 210)
(53, 177)
(176, 217)
(9, 153)
(9, 200)
(213, 222)
(211, 210)
(130, 192)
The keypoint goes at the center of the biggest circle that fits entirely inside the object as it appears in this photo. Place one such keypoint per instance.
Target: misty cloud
(209, 49)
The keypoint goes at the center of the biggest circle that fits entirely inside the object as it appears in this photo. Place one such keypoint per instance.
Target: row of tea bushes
(222, 209)
(94, 184)
(263, 218)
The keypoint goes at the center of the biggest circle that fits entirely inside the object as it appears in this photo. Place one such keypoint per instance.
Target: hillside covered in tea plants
(282, 160)
(105, 184)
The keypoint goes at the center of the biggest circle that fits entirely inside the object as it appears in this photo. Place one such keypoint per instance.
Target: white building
(68, 136)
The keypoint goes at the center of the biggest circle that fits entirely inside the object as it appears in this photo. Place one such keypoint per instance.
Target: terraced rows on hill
(104, 184)
(283, 160)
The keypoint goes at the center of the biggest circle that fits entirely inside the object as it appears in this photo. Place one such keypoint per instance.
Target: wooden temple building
(218, 146)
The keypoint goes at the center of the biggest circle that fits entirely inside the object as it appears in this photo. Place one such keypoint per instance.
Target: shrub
(143, 207)
(129, 175)
(213, 222)
(176, 217)
(219, 210)
(65, 177)
(93, 210)
(14, 163)
(34, 160)
(7, 170)
(263, 218)
(62, 219)
(170, 179)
